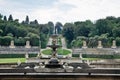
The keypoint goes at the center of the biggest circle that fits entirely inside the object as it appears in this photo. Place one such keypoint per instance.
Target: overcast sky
(60, 10)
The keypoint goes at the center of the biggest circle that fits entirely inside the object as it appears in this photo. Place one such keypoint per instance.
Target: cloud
(60, 10)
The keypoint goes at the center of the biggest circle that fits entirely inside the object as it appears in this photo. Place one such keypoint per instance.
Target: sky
(60, 10)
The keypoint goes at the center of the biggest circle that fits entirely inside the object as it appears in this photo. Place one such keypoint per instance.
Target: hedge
(12, 55)
(103, 56)
(33, 55)
(16, 55)
(75, 55)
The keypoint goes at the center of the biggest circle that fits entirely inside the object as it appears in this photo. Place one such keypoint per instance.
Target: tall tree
(5, 18)
(58, 27)
(102, 27)
(0, 16)
(51, 27)
(68, 32)
(82, 28)
(36, 22)
(10, 18)
(27, 20)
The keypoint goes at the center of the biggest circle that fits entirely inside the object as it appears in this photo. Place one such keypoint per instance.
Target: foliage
(106, 30)
(58, 27)
(68, 32)
(5, 40)
(10, 18)
(51, 27)
(21, 32)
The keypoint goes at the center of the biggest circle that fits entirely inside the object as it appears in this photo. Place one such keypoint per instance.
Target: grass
(11, 60)
(60, 51)
(47, 52)
(63, 51)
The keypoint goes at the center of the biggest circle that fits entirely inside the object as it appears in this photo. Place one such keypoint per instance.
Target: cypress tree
(27, 20)
(5, 18)
(10, 18)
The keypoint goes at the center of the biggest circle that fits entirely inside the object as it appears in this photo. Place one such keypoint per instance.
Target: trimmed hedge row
(12, 55)
(32, 55)
(16, 55)
(75, 55)
(115, 56)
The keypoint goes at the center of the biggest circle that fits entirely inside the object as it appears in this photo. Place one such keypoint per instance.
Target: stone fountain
(54, 62)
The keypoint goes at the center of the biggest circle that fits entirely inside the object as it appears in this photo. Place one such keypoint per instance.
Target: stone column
(113, 44)
(100, 44)
(27, 44)
(84, 44)
(12, 44)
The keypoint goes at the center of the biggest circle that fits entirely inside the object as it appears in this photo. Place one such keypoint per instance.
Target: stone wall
(59, 77)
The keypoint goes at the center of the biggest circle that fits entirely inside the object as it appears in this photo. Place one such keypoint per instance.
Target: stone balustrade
(19, 49)
(99, 44)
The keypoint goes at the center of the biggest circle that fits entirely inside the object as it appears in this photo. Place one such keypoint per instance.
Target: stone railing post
(12, 44)
(84, 44)
(113, 44)
(27, 44)
(100, 44)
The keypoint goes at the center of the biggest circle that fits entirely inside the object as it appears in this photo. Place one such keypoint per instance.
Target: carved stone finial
(114, 44)
(27, 44)
(84, 44)
(100, 44)
(12, 44)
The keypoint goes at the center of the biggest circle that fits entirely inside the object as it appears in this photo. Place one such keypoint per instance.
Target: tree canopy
(106, 30)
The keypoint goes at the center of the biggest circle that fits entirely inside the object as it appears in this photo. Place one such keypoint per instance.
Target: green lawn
(63, 51)
(60, 51)
(12, 60)
(47, 52)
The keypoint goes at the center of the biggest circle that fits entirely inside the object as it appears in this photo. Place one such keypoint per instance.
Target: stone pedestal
(84, 44)
(12, 44)
(39, 55)
(19, 62)
(80, 55)
(113, 44)
(27, 44)
(26, 55)
(100, 44)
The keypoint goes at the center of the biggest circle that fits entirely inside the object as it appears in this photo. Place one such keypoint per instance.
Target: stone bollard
(100, 44)
(12, 44)
(113, 44)
(84, 44)
(27, 44)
